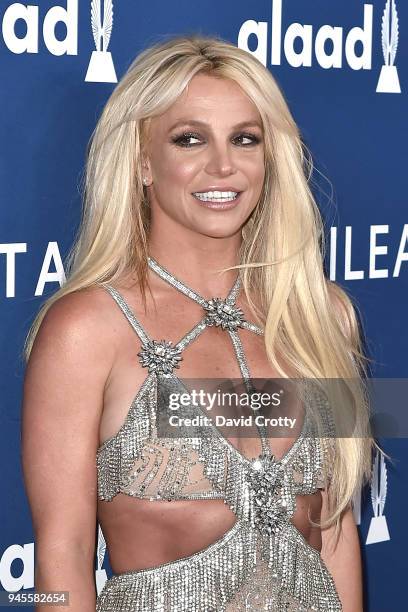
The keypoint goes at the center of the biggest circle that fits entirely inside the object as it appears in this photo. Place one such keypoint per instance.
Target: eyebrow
(242, 124)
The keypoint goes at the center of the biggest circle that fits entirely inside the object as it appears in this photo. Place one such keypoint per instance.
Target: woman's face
(217, 145)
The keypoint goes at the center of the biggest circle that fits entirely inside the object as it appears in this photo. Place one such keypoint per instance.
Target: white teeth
(216, 196)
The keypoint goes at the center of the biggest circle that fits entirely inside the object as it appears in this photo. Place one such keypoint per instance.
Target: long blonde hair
(282, 250)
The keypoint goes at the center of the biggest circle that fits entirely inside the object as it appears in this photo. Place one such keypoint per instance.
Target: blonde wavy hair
(282, 250)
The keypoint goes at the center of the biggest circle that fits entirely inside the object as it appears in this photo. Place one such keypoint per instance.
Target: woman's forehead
(209, 100)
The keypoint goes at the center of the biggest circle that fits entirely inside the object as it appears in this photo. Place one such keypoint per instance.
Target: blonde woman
(195, 166)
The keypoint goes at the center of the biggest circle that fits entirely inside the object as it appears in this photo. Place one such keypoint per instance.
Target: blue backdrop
(343, 67)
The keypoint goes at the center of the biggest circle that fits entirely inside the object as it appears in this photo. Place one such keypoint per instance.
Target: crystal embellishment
(222, 313)
(160, 356)
(263, 562)
(272, 503)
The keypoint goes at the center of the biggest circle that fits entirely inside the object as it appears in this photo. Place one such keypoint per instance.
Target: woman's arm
(342, 557)
(62, 405)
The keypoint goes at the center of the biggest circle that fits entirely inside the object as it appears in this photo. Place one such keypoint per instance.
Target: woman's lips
(218, 205)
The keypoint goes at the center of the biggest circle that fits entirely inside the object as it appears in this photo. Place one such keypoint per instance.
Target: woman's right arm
(62, 406)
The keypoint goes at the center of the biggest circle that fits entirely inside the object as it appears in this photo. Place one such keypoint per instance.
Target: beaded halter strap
(219, 312)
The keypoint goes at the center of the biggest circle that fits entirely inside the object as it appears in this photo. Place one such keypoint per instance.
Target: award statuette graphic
(101, 68)
(378, 530)
(389, 81)
(100, 574)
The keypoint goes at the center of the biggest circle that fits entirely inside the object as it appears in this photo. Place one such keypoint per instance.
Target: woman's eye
(181, 140)
(253, 139)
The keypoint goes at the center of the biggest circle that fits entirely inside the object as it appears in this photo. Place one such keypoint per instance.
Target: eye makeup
(178, 139)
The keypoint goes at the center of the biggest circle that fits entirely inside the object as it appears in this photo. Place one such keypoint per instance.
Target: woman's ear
(146, 172)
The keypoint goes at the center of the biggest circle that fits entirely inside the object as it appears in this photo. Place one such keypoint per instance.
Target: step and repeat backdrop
(343, 67)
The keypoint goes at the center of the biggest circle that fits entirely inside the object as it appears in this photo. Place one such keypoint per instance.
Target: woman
(195, 166)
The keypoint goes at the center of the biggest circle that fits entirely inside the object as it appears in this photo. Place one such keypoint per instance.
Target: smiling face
(210, 139)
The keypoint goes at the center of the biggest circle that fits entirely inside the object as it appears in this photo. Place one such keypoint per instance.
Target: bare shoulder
(79, 322)
(82, 308)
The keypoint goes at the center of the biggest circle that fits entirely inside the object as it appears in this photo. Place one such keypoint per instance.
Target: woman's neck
(199, 268)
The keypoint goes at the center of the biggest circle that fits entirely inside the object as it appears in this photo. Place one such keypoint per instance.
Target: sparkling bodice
(139, 462)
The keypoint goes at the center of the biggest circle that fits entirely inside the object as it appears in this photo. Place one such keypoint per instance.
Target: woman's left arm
(342, 557)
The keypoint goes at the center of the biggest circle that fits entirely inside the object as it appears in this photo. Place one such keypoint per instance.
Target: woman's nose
(220, 160)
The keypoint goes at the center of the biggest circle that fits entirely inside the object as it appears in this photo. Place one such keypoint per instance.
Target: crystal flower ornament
(160, 356)
(222, 313)
(271, 499)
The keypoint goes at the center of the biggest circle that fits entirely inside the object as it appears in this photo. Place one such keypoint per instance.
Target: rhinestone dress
(263, 562)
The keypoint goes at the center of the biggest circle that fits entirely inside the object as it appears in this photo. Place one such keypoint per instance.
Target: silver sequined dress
(263, 563)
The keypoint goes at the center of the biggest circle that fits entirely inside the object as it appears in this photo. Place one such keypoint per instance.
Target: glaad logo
(101, 68)
(362, 36)
(100, 574)
(378, 530)
(388, 81)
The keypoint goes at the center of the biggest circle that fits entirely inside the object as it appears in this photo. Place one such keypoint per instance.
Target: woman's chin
(218, 230)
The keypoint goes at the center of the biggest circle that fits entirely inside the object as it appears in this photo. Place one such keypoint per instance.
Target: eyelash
(185, 135)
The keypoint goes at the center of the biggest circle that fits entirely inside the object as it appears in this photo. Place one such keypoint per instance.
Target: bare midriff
(141, 533)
